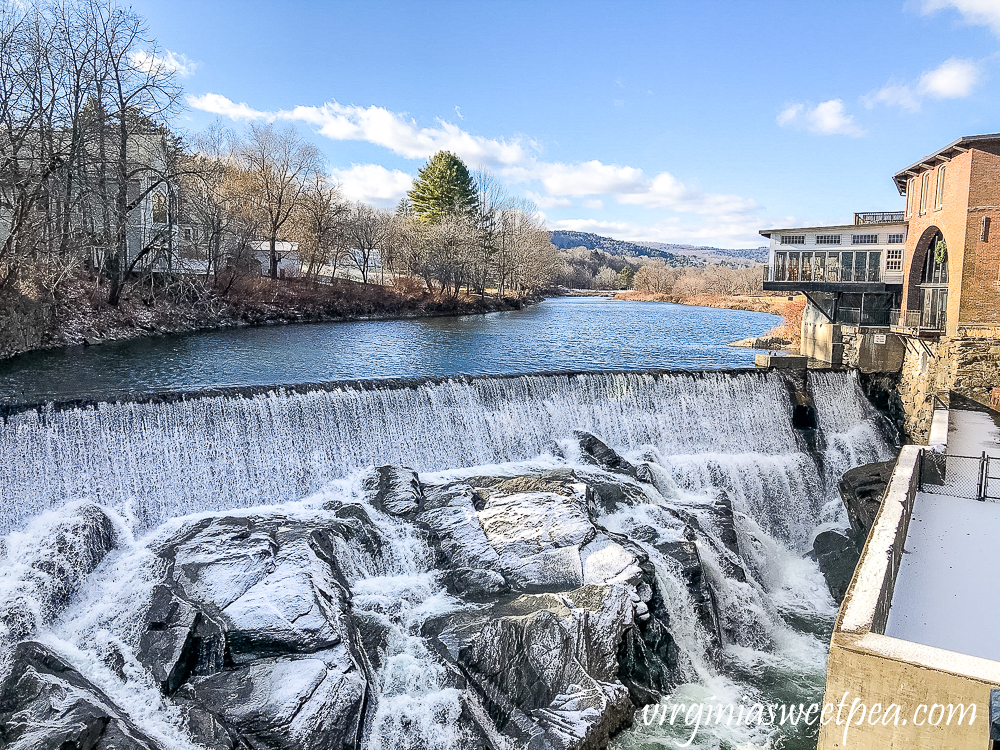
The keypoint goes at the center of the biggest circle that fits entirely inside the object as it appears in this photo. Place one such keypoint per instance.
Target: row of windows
(829, 266)
(925, 191)
(835, 239)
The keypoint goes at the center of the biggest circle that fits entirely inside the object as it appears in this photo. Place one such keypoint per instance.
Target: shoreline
(32, 323)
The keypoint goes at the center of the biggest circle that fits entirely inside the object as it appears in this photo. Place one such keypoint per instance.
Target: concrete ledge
(790, 362)
(938, 438)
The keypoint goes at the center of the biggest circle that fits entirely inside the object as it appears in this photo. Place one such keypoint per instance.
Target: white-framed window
(909, 197)
(939, 193)
(864, 239)
(793, 239)
(894, 260)
(827, 239)
(896, 239)
(925, 180)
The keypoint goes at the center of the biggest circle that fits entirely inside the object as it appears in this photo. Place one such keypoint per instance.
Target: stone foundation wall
(969, 365)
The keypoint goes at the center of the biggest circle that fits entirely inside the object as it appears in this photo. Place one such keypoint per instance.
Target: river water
(581, 333)
(704, 437)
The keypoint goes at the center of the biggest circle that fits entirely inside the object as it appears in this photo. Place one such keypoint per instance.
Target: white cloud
(666, 191)
(168, 62)
(826, 118)
(952, 79)
(373, 183)
(217, 104)
(979, 12)
(895, 95)
(629, 185)
(587, 178)
(789, 114)
(549, 184)
(547, 201)
(378, 125)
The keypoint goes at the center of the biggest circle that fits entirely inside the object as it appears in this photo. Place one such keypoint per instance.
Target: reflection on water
(558, 334)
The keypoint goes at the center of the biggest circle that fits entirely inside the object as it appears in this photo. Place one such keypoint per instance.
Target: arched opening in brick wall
(927, 283)
(915, 272)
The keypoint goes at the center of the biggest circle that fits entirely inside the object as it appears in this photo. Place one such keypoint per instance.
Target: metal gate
(991, 478)
(974, 477)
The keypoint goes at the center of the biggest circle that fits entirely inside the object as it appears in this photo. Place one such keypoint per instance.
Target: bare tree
(369, 230)
(320, 226)
(278, 165)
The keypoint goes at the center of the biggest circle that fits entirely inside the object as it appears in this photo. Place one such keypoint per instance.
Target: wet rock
(594, 450)
(59, 563)
(46, 704)
(862, 489)
(311, 703)
(179, 641)
(837, 555)
(647, 662)
(533, 541)
(553, 657)
(394, 489)
(251, 633)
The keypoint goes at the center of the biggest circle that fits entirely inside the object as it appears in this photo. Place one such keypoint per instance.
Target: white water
(151, 462)
(701, 435)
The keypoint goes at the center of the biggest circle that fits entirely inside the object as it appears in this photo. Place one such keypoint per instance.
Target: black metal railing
(920, 320)
(878, 217)
(826, 274)
(973, 477)
(860, 316)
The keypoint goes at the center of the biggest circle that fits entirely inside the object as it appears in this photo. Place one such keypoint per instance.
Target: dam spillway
(152, 461)
(692, 524)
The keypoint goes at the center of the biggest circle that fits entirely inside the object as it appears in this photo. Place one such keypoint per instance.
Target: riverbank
(787, 335)
(33, 320)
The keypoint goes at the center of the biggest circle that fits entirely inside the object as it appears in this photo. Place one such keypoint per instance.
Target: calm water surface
(583, 333)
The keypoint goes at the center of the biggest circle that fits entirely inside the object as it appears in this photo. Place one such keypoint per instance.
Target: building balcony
(927, 321)
(878, 217)
(783, 277)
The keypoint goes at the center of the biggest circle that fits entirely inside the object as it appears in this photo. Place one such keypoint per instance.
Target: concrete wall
(867, 668)
(821, 339)
(873, 349)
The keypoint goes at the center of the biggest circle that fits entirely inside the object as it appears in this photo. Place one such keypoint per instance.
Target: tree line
(97, 183)
(586, 268)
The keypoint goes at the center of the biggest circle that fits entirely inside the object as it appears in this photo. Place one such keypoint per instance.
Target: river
(578, 333)
(705, 442)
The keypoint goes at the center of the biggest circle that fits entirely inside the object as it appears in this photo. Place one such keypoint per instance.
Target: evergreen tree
(625, 277)
(442, 187)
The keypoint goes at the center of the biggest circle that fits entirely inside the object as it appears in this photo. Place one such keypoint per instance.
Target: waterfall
(707, 441)
(153, 461)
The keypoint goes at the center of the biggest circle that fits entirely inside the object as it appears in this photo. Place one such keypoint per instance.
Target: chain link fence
(973, 477)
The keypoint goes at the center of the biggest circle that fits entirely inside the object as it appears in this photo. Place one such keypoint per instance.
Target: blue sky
(692, 122)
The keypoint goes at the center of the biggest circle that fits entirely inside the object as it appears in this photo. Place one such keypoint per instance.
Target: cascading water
(705, 439)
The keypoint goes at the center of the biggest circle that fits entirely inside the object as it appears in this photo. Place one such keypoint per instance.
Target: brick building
(914, 292)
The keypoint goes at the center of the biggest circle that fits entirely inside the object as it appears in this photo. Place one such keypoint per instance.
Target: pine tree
(442, 187)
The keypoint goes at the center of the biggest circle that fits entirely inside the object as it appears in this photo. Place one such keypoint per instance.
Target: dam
(672, 512)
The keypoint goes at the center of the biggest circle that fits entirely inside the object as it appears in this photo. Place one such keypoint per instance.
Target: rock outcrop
(41, 583)
(535, 624)
(838, 551)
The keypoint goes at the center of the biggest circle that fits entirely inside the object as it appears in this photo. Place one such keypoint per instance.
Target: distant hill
(672, 254)
(734, 256)
(566, 239)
